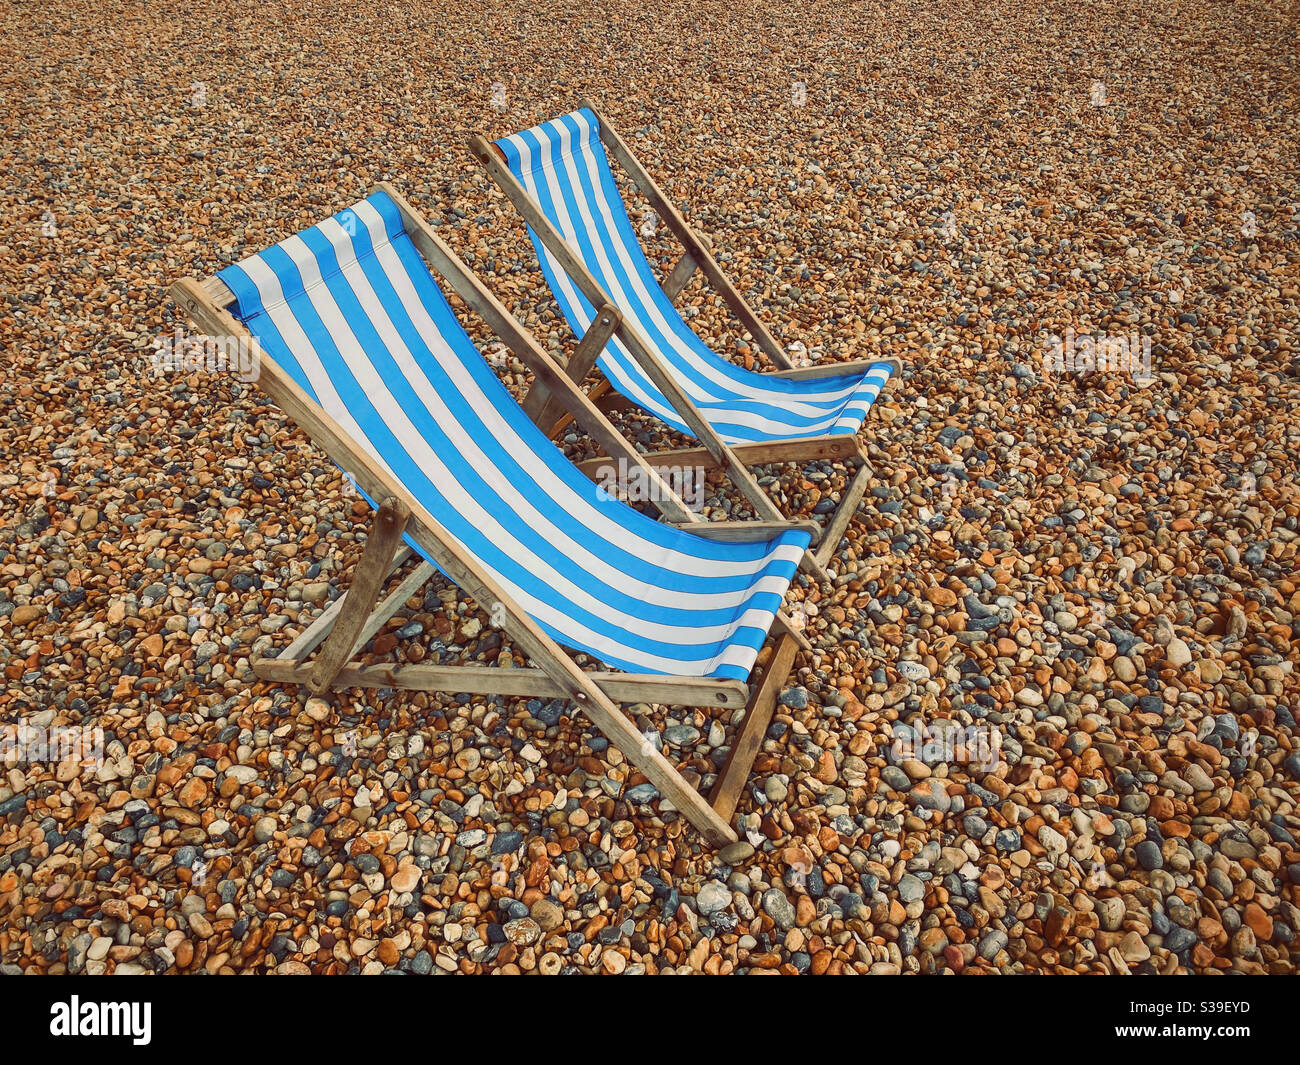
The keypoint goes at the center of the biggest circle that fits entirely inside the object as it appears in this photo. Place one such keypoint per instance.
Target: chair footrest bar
(836, 369)
(492, 680)
(814, 448)
(743, 532)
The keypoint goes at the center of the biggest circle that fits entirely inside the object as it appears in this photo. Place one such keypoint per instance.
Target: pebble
(523, 932)
(407, 878)
(713, 897)
(992, 943)
(548, 914)
(778, 907)
(1110, 912)
(736, 853)
(910, 889)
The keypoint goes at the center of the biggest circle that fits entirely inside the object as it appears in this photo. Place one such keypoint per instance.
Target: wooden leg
(726, 793)
(385, 538)
(314, 635)
(621, 687)
(683, 271)
(623, 734)
(544, 408)
(392, 603)
(786, 626)
(844, 514)
(813, 568)
(679, 277)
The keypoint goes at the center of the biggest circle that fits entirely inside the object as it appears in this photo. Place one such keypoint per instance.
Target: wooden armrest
(838, 369)
(744, 532)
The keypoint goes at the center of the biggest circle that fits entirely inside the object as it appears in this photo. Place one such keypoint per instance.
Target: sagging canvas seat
(349, 310)
(558, 176)
(566, 172)
(355, 340)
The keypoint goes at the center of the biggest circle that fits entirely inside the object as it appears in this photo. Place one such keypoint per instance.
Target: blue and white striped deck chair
(559, 176)
(357, 342)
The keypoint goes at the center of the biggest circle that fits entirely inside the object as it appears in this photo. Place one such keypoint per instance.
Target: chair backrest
(563, 167)
(349, 309)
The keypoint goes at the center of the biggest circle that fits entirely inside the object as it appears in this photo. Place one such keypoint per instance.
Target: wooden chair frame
(345, 626)
(714, 452)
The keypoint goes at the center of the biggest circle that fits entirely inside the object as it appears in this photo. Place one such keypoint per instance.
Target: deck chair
(558, 177)
(356, 342)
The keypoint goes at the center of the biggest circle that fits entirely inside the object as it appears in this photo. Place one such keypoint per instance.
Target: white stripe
(397, 421)
(642, 301)
(650, 306)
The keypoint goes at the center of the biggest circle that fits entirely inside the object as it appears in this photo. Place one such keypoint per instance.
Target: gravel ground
(1092, 577)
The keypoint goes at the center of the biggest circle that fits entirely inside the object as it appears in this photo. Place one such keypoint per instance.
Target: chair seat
(350, 311)
(563, 167)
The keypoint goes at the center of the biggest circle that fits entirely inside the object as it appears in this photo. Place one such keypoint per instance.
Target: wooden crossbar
(764, 453)
(517, 682)
(838, 369)
(745, 746)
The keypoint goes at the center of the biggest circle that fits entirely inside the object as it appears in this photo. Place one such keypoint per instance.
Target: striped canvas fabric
(350, 311)
(563, 167)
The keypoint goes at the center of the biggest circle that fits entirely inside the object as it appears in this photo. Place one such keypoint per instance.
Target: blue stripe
(713, 398)
(466, 411)
(472, 479)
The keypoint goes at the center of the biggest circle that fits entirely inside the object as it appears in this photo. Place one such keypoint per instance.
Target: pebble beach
(1048, 721)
